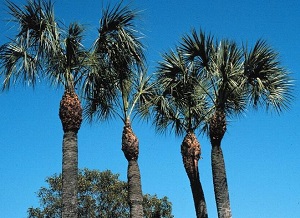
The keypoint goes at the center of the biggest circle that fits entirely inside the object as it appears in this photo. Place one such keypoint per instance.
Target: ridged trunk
(130, 148)
(191, 151)
(217, 129)
(70, 113)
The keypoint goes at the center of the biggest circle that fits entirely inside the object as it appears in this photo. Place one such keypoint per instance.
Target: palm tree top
(180, 103)
(117, 80)
(41, 48)
(68, 65)
(118, 33)
(204, 75)
(36, 31)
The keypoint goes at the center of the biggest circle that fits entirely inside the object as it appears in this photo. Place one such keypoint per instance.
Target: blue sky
(261, 149)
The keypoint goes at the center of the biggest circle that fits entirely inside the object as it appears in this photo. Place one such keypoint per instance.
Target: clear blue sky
(261, 149)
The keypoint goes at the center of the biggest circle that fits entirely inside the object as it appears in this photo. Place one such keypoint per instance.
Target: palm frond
(181, 92)
(18, 64)
(118, 55)
(143, 91)
(227, 78)
(99, 90)
(67, 65)
(29, 54)
(269, 84)
(118, 34)
(37, 24)
(197, 48)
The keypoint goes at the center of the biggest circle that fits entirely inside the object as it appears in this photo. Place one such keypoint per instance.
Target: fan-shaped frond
(181, 101)
(118, 34)
(227, 78)
(197, 48)
(18, 64)
(67, 65)
(269, 84)
(118, 56)
(37, 24)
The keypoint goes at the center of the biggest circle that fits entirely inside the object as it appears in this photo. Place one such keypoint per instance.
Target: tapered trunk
(191, 151)
(217, 130)
(130, 148)
(70, 113)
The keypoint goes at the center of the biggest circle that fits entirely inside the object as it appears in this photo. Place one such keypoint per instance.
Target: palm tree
(221, 67)
(118, 86)
(237, 78)
(42, 49)
(180, 105)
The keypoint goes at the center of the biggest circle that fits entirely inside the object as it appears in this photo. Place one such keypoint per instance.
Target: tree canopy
(100, 194)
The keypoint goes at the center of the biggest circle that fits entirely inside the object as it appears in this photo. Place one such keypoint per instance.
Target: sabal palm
(118, 86)
(221, 66)
(41, 49)
(180, 104)
(237, 79)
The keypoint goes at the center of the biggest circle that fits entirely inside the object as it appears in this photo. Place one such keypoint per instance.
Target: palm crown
(180, 102)
(118, 84)
(41, 48)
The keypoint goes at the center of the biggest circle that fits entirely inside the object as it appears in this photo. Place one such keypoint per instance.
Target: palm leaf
(180, 102)
(18, 64)
(119, 60)
(269, 84)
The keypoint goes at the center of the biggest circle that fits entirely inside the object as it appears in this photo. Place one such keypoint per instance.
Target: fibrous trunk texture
(130, 147)
(130, 143)
(70, 113)
(217, 127)
(191, 151)
(217, 130)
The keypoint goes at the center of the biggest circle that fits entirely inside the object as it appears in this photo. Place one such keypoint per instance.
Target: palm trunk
(70, 113)
(190, 150)
(69, 175)
(220, 182)
(217, 130)
(135, 190)
(130, 147)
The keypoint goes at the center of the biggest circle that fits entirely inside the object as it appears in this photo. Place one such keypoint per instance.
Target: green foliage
(41, 48)
(100, 194)
(119, 84)
(204, 75)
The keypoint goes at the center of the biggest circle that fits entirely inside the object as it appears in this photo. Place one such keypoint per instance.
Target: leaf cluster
(100, 194)
(204, 75)
(42, 48)
(117, 84)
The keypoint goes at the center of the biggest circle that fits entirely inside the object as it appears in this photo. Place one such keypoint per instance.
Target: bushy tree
(100, 194)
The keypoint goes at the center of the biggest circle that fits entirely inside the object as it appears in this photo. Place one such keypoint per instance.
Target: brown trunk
(190, 150)
(130, 147)
(217, 130)
(70, 113)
